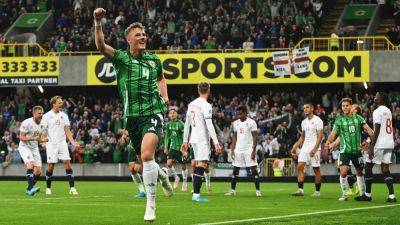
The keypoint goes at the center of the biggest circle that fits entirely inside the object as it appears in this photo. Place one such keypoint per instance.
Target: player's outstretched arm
(107, 50)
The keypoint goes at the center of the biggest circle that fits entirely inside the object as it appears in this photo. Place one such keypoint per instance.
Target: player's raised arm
(107, 50)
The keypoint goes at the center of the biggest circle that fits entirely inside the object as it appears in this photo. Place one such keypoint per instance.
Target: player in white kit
(31, 133)
(244, 143)
(310, 152)
(381, 147)
(57, 124)
(199, 119)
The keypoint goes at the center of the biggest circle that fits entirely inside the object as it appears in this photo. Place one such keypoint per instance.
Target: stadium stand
(96, 121)
(173, 25)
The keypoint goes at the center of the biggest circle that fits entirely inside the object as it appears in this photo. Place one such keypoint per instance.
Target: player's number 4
(146, 73)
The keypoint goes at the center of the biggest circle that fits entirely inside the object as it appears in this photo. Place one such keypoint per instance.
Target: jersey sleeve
(118, 57)
(66, 120)
(254, 126)
(320, 125)
(377, 117)
(234, 127)
(302, 126)
(207, 111)
(24, 127)
(361, 120)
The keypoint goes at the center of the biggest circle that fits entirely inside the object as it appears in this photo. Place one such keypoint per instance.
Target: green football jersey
(173, 135)
(137, 83)
(349, 130)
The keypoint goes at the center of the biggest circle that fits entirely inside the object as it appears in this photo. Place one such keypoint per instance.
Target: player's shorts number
(389, 128)
(154, 122)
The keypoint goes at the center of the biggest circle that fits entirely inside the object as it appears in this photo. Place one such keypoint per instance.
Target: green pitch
(113, 203)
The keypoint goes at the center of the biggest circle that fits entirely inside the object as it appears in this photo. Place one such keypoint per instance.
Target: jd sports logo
(105, 71)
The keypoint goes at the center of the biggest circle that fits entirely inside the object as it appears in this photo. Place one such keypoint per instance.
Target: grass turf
(113, 203)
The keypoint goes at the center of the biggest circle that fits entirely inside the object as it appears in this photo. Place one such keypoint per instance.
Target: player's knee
(38, 170)
(29, 165)
(385, 168)
(67, 164)
(203, 165)
(359, 171)
(147, 156)
(183, 166)
(169, 163)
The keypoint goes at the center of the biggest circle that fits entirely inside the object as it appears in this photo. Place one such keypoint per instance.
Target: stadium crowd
(97, 123)
(173, 24)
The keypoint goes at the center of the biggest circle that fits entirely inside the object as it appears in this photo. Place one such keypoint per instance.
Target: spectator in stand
(248, 45)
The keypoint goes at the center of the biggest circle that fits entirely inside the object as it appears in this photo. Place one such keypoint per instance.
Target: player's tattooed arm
(68, 133)
(368, 130)
(105, 49)
(331, 138)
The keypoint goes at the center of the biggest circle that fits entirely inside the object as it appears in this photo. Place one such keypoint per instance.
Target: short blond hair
(54, 99)
(133, 26)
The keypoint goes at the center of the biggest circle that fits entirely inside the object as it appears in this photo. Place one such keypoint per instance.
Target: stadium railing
(273, 167)
(22, 49)
(369, 43)
(315, 44)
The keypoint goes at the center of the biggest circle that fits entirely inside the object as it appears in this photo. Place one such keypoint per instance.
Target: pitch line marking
(298, 214)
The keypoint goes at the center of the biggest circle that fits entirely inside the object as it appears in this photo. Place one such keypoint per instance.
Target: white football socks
(138, 181)
(150, 175)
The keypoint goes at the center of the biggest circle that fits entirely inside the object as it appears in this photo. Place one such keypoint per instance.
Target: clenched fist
(99, 13)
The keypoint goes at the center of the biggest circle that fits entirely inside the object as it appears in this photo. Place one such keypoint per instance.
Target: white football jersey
(198, 111)
(244, 137)
(31, 128)
(311, 127)
(55, 123)
(383, 116)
